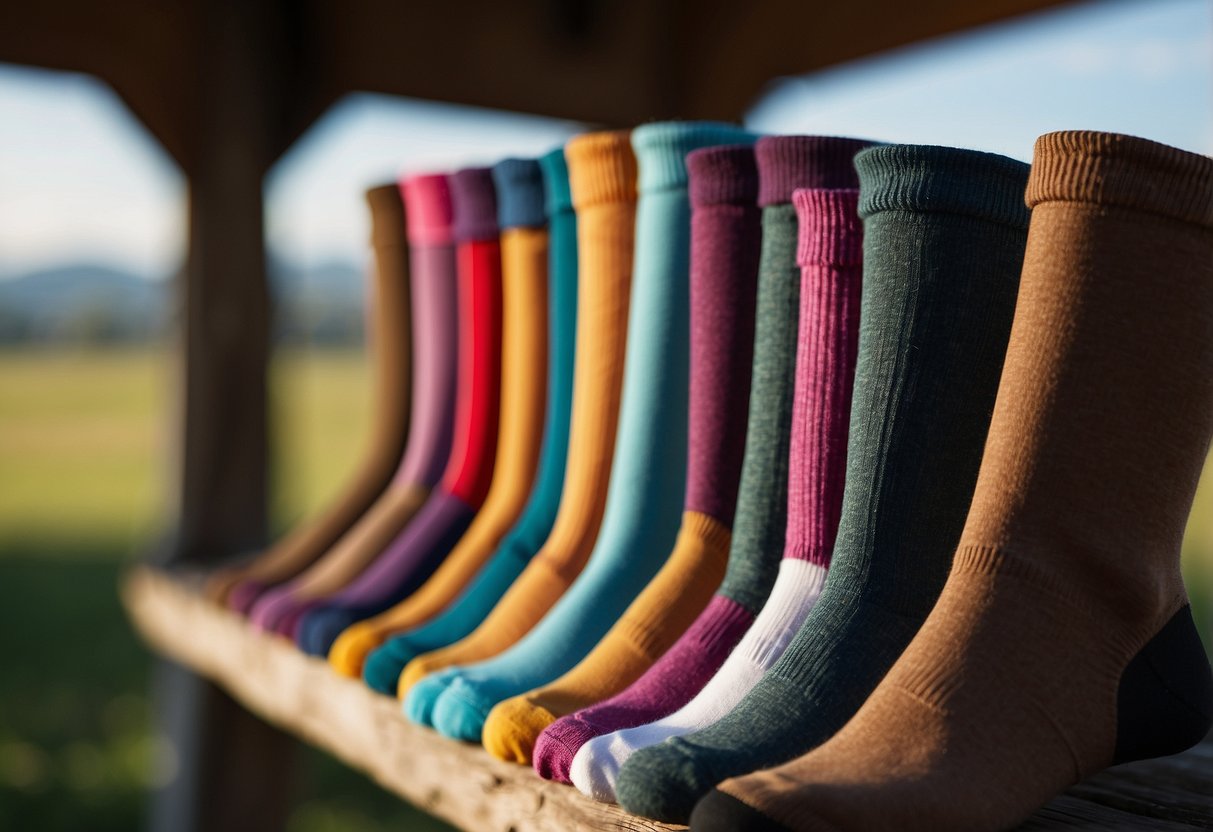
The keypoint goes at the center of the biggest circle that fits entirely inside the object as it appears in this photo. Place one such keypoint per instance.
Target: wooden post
(233, 770)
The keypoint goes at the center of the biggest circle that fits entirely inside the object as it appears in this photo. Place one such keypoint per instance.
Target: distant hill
(92, 303)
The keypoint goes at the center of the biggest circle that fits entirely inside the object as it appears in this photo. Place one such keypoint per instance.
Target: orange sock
(602, 177)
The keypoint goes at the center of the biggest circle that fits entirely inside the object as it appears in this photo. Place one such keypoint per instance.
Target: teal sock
(384, 665)
(944, 238)
(648, 474)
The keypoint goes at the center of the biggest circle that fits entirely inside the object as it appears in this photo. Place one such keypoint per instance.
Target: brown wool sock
(389, 335)
(1062, 642)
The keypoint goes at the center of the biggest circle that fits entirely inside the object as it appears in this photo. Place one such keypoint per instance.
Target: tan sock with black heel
(1062, 642)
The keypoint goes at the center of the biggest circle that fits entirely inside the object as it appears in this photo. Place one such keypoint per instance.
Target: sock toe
(662, 782)
(320, 628)
(721, 812)
(421, 698)
(350, 649)
(512, 728)
(268, 609)
(243, 595)
(381, 670)
(418, 668)
(459, 713)
(288, 625)
(594, 772)
(557, 745)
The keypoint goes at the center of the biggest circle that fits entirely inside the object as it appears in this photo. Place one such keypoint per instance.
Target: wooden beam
(465, 786)
(620, 62)
(459, 783)
(141, 48)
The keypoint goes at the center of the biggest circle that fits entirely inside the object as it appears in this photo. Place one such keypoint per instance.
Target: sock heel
(1165, 700)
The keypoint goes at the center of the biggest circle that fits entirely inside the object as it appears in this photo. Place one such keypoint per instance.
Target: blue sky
(79, 179)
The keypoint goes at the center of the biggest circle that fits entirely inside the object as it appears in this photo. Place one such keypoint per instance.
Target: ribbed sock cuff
(474, 200)
(427, 202)
(926, 178)
(387, 214)
(602, 168)
(831, 232)
(557, 197)
(1113, 169)
(519, 185)
(662, 148)
(786, 163)
(726, 175)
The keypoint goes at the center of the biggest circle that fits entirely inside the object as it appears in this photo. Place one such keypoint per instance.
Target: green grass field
(85, 460)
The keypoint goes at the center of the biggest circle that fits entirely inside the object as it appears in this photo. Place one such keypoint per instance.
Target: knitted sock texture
(725, 241)
(944, 235)
(1062, 642)
(784, 163)
(830, 257)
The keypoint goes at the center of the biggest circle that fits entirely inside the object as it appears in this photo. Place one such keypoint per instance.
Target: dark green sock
(785, 163)
(762, 499)
(944, 237)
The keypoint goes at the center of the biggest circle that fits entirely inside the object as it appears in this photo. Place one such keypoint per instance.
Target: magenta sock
(813, 502)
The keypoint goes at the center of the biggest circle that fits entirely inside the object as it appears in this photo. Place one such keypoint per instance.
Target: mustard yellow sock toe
(512, 728)
(350, 649)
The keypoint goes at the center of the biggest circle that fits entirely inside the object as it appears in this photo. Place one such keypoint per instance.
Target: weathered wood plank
(470, 789)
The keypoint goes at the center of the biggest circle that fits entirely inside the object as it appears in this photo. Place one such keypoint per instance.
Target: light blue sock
(648, 474)
(383, 666)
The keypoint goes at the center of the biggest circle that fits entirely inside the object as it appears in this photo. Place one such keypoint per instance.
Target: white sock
(797, 586)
